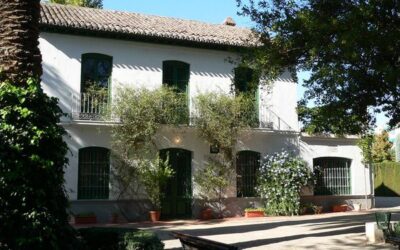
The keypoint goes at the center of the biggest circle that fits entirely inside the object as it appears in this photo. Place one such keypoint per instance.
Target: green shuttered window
(176, 74)
(333, 176)
(247, 166)
(93, 173)
(96, 71)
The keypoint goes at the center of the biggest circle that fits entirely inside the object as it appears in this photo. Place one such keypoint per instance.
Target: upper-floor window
(245, 81)
(96, 71)
(333, 176)
(247, 167)
(93, 173)
(176, 74)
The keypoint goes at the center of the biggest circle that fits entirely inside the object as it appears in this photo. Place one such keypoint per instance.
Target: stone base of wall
(328, 201)
(137, 210)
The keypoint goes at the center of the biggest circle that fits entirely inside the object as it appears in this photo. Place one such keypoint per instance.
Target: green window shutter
(93, 173)
(176, 74)
(96, 71)
(333, 176)
(247, 167)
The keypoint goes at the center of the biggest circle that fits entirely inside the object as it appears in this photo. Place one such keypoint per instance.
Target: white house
(119, 48)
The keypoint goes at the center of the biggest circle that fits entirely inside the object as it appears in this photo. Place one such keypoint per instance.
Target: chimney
(229, 21)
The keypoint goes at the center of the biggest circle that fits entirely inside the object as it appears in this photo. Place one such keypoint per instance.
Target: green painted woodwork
(246, 82)
(96, 70)
(247, 167)
(93, 173)
(333, 177)
(176, 74)
(177, 202)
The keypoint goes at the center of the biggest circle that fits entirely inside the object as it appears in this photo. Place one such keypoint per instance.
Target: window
(96, 71)
(333, 176)
(176, 74)
(245, 80)
(247, 166)
(93, 173)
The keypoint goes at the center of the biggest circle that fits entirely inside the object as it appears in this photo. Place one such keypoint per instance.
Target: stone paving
(325, 231)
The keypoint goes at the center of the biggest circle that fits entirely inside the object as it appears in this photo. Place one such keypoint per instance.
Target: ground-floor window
(333, 176)
(247, 166)
(93, 173)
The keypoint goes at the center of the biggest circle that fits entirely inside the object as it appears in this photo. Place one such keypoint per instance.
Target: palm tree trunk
(20, 56)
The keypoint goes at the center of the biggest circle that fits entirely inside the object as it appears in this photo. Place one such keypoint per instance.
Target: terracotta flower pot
(85, 219)
(206, 214)
(339, 208)
(249, 214)
(154, 216)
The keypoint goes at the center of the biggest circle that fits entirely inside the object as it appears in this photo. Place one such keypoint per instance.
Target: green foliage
(220, 118)
(143, 112)
(352, 70)
(381, 147)
(32, 158)
(84, 3)
(259, 209)
(386, 179)
(154, 174)
(97, 238)
(280, 180)
(365, 144)
(213, 180)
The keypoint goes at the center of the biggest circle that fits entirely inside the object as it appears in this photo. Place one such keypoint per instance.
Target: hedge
(101, 238)
(387, 179)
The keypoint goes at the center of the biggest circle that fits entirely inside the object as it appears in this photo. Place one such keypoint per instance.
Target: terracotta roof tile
(134, 24)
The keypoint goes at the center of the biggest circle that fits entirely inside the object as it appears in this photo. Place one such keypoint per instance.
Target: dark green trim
(97, 156)
(139, 38)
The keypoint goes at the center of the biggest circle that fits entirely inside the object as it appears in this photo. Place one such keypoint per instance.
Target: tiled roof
(72, 18)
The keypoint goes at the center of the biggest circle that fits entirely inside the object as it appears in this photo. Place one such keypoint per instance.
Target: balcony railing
(89, 106)
(96, 107)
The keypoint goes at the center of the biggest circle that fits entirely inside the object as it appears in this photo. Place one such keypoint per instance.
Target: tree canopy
(350, 48)
(84, 3)
(381, 148)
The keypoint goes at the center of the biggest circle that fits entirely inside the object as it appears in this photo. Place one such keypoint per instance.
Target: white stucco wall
(314, 147)
(140, 64)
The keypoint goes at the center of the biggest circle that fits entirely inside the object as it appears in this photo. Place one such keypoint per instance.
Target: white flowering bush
(280, 180)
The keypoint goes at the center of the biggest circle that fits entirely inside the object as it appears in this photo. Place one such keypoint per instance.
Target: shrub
(32, 159)
(280, 180)
(96, 238)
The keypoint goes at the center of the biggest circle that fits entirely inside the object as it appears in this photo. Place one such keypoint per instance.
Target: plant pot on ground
(356, 207)
(254, 212)
(340, 208)
(85, 218)
(206, 213)
(317, 209)
(154, 175)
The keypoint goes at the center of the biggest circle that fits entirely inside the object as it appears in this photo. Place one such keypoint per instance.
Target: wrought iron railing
(90, 106)
(96, 107)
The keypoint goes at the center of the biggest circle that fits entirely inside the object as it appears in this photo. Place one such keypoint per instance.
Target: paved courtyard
(326, 231)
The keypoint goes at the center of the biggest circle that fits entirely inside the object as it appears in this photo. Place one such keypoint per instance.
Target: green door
(177, 202)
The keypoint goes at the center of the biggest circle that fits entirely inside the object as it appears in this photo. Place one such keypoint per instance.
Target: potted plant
(212, 182)
(85, 218)
(153, 175)
(356, 206)
(254, 212)
(317, 209)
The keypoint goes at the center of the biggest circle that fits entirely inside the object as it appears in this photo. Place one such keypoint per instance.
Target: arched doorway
(177, 202)
(247, 166)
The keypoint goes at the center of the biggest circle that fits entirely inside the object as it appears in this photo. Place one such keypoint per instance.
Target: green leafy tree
(381, 148)
(33, 200)
(84, 3)
(350, 49)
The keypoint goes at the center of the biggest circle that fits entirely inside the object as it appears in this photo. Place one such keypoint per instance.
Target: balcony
(95, 107)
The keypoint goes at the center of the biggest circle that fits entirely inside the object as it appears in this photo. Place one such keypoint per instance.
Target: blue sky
(211, 11)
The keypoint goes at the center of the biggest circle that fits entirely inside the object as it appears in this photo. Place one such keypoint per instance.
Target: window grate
(93, 173)
(333, 176)
(247, 166)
